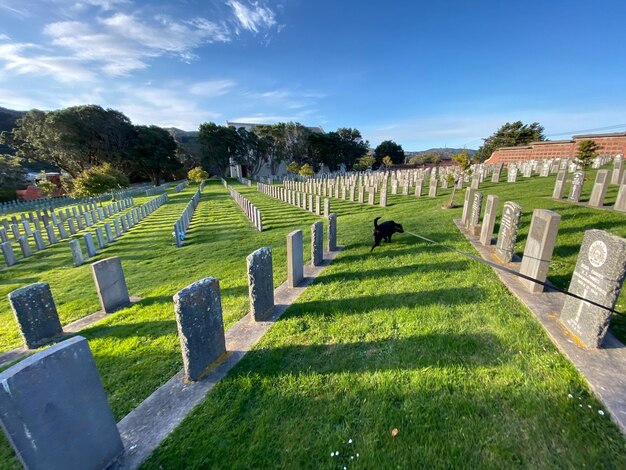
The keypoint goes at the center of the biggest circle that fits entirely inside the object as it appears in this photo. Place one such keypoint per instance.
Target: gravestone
(361, 194)
(55, 413)
(620, 202)
(317, 243)
(24, 246)
(39, 240)
(72, 226)
(475, 182)
(419, 185)
(77, 253)
(598, 276)
(198, 309)
(473, 221)
(599, 189)
(544, 229)
(489, 219)
(326, 208)
(495, 176)
(618, 170)
(371, 195)
(260, 283)
(36, 314)
(100, 238)
(383, 196)
(577, 186)
(467, 205)
(295, 259)
(507, 235)
(559, 185)
(110, 284)
(109, 233)
(332, 232)
(91, 249)
(7, 252)
(432, 188)
(511, 176)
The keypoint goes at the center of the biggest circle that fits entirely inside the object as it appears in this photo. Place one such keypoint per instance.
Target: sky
(423, 74)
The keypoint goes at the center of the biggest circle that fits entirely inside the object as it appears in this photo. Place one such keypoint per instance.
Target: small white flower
(357, 455)
(589, 406)
(352, 457)
(332, 454)
(349, 441)
(337, 452)
(569, 395)
(601, 413)
(580, 404)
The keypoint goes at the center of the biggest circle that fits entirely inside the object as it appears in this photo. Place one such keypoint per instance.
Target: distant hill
(446, 153)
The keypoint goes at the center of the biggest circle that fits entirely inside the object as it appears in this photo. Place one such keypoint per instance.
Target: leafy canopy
(197, 175)
(510, 135)
(97, 180)
(391, 149)
(587, 151)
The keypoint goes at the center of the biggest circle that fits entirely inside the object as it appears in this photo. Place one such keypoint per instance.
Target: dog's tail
(376, 222)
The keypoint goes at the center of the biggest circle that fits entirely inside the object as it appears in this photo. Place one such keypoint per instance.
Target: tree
(297, 137)
(45, 187)
(12, 177)
(389, 147)
(366, 162)
(463, 160)
(510, 135)
(306, 170)
(97, 180)
(294, 168)
(387, 162)
(352, 146)
(218, 144)
(275, 138)
(197, 175)
(74, 138)
(586, 153)
(154, 153)
(250, 150)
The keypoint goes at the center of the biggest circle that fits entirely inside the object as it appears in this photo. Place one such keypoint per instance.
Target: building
(610, 144)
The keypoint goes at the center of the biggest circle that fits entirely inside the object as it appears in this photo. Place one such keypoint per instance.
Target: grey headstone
(295, 259)
(489, 220)
(62, 232)
(7, 252)
(71, 223)
(109, 232)
(618, 171)
(55, 413)
(332, 232)
(91, 249)
(260, 283)
(326, 208)
(36, 314)
(598, 276)
(100, 238)
(473, 221)
(467, 205)
(24, 246)
(110, 284)
(317, 243)
(3, 236)
(432, 188)
(39, 243)
(599, 188)
(577, 186)
(620, 202)
(540, 242)
(559, 185)
(507, 236)
(419, 185)
(77, 253)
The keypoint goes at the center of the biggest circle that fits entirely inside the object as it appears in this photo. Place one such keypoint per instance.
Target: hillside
(446, 153)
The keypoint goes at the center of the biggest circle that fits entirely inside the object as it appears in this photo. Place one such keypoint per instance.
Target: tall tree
(510, 134)
(218, 144)
(250, 151)
(352, 146)
(275, 137)
(12, 177)
(389, 147)
(154, 153)
(74, 138)
(587, 151)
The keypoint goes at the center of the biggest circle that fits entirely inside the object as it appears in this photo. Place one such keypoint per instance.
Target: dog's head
(399, 228)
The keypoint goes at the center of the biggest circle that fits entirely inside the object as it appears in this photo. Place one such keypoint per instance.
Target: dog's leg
(376, 243)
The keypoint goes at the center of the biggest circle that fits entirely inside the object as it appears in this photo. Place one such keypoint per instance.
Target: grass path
(410, 337)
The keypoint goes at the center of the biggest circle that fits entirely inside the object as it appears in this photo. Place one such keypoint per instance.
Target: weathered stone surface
(55, 413)
(52, 238)
(77, 253)
(7, 252)
(295, 259)
(489, 220)
(317, 243)
(467, 205)
(36, 314)
(507, 236)
(618, 170)
(260, 283)
(39, 243)
(110, 284)
(198, 309)
(24, 246)
(620, 202)
(332, 232)
(326, 208)
(559, 185)
(540, 242)
(109, 232)
(473, 221)
(577, 186)
(419, 185)
(432, 188)
(598, 276)
(599, 188)
(100, 238)
(91, 249)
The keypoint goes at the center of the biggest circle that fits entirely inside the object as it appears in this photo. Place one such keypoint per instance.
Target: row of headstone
(598, 276)
(120, 226)
(251, 211)
(35, 311)
(87, 218)
(600, 187)
(301, 200)
(157, 189)
(244, 181)
(183, 222)
(44, 203)
(180, 186)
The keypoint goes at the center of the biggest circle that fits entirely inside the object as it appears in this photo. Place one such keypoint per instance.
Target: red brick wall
(611, 144)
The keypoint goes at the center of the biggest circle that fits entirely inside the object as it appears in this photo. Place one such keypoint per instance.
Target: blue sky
(425, 74)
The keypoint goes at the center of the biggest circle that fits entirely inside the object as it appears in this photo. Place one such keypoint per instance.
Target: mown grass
(411, 337)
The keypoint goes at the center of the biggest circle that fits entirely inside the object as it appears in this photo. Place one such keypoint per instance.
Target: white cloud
(4, 37)
(211, 88)
(12, 100)
(253, 17)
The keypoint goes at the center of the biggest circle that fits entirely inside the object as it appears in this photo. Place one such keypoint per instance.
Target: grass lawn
(411, 337)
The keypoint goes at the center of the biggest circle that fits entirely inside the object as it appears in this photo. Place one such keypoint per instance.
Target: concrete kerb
(604, 369)
(144, 428)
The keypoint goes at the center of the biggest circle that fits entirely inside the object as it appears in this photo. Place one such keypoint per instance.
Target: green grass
(412, 337)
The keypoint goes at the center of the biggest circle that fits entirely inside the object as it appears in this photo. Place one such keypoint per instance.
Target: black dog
(384, 231)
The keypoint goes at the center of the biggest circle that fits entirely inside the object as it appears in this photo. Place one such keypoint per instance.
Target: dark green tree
(276, 143)
(12, 177)
(510, 135)
(586, 152)
(218, 144)
(250, 151)
(389, 147)
(153, 154)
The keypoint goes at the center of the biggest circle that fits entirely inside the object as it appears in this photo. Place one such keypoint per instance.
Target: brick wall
(610, 144)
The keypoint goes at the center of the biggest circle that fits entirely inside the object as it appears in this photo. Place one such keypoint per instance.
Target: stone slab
(110, 284)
